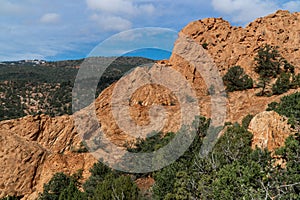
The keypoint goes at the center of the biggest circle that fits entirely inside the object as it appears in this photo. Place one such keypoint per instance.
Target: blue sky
(71, 29)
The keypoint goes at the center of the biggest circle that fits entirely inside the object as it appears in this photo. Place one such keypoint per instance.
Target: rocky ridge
(229, 45)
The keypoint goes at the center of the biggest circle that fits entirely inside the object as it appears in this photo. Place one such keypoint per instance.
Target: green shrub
(289, 106)
(150, 144)
(236, 79)
(234, 145)
(295, 83)
(246, 121)
(71, 192)
(288, 67)
(116, 188)
(282, 84)
(98, 173)
(62, 187)
(291, 177)
(166, 177)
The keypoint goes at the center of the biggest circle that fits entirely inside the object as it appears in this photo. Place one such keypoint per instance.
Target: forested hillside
(40, 87)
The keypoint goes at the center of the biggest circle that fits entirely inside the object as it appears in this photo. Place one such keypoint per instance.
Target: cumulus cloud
(120, 6)
(111, 23)
(50, 18)
(243, 11)
(118, 15)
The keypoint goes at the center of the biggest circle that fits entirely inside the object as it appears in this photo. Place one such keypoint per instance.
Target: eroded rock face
(34, 148)
(269, 130)
(21, 162)
(229, 45)
(137, 105)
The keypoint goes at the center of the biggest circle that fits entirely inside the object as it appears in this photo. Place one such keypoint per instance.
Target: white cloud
(292, 6)
(119, 15)
(111, 23)
(120, 7)
(111, 6)
(243, 11)
(50, 18)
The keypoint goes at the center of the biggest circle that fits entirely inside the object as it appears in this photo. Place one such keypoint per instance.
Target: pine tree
(268, 62)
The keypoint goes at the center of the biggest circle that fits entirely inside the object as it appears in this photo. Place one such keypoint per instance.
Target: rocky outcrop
(21, 162)
(33, 149)
(269, 130)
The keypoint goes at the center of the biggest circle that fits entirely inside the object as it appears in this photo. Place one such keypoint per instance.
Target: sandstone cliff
(34, 148)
